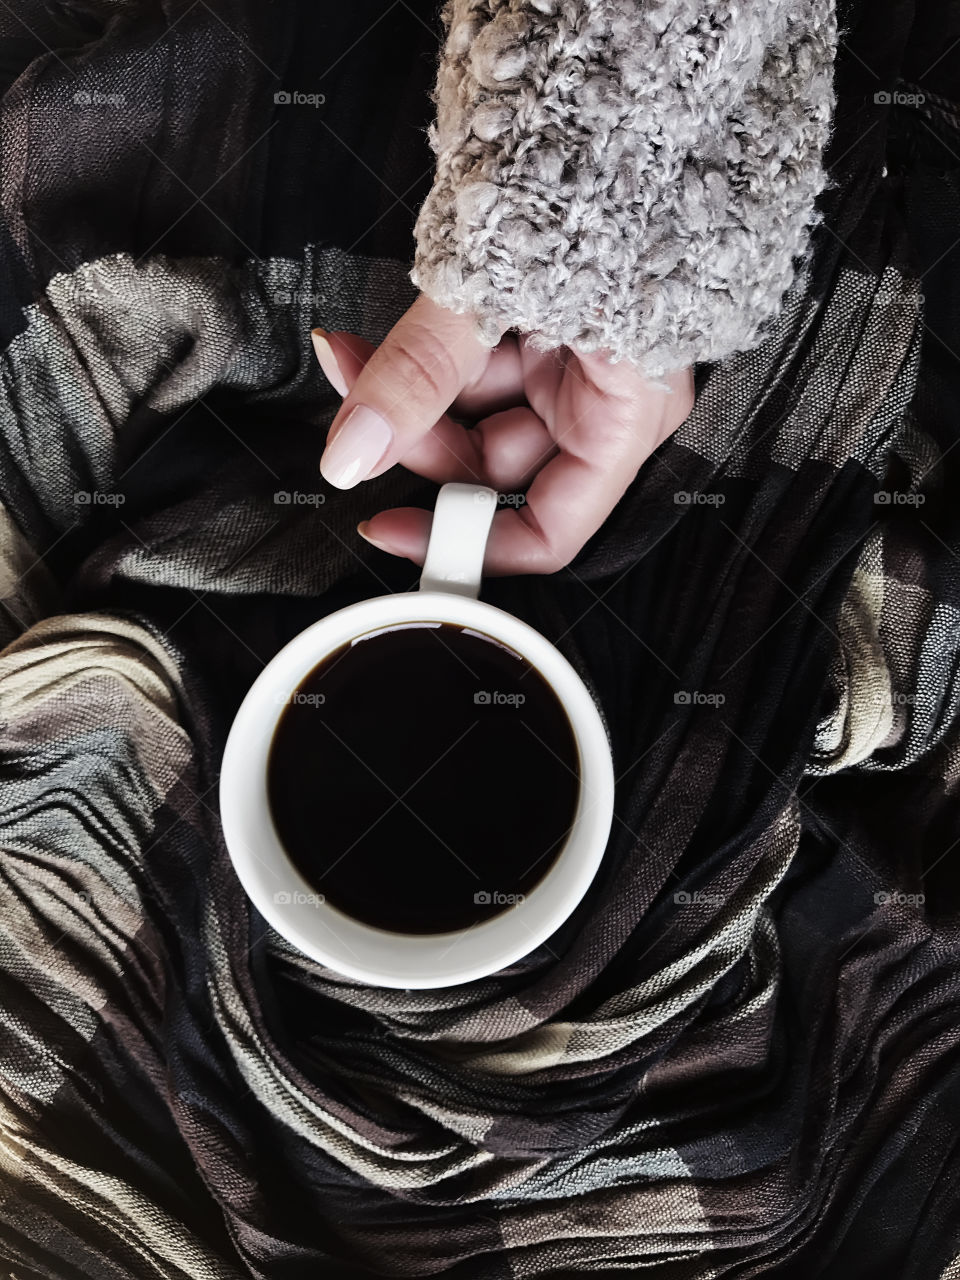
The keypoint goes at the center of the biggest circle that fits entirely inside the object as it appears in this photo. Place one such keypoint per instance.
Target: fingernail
(356, 447)
(362, 528)
(328, 361)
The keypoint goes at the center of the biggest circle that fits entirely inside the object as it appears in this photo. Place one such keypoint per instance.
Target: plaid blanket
(741, 1055)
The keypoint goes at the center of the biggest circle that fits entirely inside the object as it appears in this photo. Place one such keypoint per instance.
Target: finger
(624, 382)
(402, 531)
(499, 386)
(514, 445)
(543, 373)
(566, 504)
(328, 360)
(447, 452)
(424, 362)
(341, 356)
(570, 497)
(574, 493)
(503, 449)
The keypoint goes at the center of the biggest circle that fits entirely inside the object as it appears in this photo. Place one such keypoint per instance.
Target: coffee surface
(423, 778)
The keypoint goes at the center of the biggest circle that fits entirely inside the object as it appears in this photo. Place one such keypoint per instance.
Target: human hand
(573, 427)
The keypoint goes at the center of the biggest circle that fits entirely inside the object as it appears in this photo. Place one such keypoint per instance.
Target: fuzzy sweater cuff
(634, 175)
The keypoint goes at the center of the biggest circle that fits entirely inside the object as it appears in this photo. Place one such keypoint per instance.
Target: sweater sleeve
(633, 175)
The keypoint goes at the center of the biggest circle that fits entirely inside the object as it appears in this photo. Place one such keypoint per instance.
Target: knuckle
(422, 364)
(556, 554)
(553, 548)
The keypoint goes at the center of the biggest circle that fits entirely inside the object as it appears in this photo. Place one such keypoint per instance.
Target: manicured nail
(362, 528)
(328, 361)
(356, 447)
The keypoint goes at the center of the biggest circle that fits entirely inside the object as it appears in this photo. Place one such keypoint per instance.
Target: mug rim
(341, 942)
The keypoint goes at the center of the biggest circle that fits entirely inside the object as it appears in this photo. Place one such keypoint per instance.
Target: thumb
(412, 378)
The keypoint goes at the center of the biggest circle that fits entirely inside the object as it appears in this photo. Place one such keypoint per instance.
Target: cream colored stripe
(27, 590)
(160, 1241)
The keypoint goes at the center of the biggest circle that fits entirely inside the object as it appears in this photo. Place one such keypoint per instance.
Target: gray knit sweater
(636, 175)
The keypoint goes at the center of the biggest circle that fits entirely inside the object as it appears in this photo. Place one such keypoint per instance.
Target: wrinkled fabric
(740, 1055)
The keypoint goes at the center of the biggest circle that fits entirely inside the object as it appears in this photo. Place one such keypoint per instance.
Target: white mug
(448, 592)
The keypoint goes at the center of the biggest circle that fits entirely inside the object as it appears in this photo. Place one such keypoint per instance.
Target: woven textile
(740, 1056)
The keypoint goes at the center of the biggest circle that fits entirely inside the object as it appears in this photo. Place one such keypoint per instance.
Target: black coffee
(423, 777)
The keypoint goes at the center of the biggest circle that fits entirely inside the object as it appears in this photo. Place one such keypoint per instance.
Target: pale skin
(572, 426)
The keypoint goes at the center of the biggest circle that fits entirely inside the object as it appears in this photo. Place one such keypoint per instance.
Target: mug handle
(458, 539)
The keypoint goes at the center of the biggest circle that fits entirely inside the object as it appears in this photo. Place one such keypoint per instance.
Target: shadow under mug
(447, 592)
